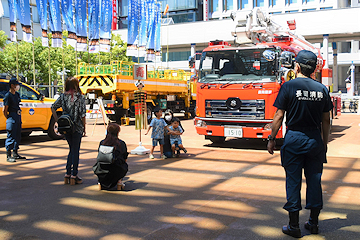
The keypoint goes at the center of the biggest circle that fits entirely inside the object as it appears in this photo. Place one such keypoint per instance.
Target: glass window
(308, 1)
(5, 5)
(4, 88)
(293, 11)
(27, 94)
(275, 13)
(326, 8)
(35, 14)
(309, 10)
(259, 3)
(228, 5)
(288, 2)
(242, 4)
(176, 56)
(124, 8)
(273, 2)
(213, 5)
(237, 65)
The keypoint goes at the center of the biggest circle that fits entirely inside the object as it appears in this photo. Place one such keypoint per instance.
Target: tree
(59, 58)
(3, 39)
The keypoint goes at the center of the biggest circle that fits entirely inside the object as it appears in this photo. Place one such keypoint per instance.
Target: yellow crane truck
(115, 83)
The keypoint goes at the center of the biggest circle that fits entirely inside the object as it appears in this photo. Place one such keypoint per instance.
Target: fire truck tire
(149, 111)
(53, 132)
(216, 139)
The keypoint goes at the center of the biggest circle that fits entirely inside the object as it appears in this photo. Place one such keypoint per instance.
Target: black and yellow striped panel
(96, 81)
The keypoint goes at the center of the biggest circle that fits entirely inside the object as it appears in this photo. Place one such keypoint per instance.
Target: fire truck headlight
(268, 126)
(200, 123)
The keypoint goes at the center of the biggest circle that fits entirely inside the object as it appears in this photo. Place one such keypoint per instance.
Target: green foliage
(3, 39)
(59, 57)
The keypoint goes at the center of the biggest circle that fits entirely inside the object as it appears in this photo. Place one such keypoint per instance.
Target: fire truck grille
(249, 109)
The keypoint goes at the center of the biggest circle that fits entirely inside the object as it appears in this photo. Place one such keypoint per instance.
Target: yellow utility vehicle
(115, 83)
(35, 111)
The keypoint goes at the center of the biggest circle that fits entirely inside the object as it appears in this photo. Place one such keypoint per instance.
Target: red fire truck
(237, 86)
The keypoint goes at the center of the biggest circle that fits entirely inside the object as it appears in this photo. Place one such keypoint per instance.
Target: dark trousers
(13, 128)
(74, 141)
(303, 150)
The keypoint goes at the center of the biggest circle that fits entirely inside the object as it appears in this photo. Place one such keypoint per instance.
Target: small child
(175, 132)
(158, 124)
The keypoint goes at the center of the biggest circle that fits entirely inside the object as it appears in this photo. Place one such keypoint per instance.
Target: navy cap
(307, 58)
(13, 81)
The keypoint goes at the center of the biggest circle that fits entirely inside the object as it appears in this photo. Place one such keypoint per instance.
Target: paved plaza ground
(230, 191)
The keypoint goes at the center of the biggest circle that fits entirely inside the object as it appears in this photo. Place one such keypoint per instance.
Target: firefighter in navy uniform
(12, 113)
(307, 106)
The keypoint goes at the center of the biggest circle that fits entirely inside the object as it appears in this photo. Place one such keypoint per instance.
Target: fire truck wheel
(216, 139)
(53, 130)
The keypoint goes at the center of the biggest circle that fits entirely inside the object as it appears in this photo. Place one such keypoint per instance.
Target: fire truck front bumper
(234, 128)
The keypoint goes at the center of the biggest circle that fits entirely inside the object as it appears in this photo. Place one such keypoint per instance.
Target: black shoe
(185, 151)
(9, 158)
(291, 231)
(313, 228)
(17, 156)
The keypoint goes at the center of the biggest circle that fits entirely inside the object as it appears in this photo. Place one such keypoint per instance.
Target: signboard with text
(140, 71)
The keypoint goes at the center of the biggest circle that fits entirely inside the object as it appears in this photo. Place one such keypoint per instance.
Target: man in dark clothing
(12, 114)
(307, 105)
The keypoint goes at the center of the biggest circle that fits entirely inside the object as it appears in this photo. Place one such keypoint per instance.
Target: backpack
(105, 154)
(65, 124)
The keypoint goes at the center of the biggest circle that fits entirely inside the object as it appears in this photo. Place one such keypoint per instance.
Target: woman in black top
(72, 103)
(110, 175)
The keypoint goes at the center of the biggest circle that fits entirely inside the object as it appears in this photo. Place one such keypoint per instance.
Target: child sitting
(175, 132)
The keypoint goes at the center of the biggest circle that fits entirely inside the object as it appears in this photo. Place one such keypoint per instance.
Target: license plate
(233, 132)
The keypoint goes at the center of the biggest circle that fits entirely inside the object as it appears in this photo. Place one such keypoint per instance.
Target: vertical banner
(93, 26)
(142, 29)
(55, 23)
(205, 10)
(157, 32)
(150, 46)
(67, 12)
(42, 10)
(133, 28)
(114, 15)
(12, 13)
(106, 15)
(81, 25)
(23, 10)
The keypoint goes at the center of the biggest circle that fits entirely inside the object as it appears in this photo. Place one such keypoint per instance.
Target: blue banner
(81, 25)
(143, 24)
(23, 10)
(68, 13)
(105, 25)
(151, 25)
(42, 10)
(157, 22)
(12, 13)
(55, 23)
(133, 21)
(93, 26)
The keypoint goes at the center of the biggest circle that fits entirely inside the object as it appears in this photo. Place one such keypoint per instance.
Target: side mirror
(42, 96)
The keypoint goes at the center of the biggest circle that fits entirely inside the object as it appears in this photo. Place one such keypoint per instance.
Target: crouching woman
(110, 170)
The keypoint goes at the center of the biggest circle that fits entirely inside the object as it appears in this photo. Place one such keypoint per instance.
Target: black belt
(18, 112)
(302, 129)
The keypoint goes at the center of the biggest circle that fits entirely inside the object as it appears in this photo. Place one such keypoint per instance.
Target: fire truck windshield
(236, 65)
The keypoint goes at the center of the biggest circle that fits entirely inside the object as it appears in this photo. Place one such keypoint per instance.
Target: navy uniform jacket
(304, 100)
